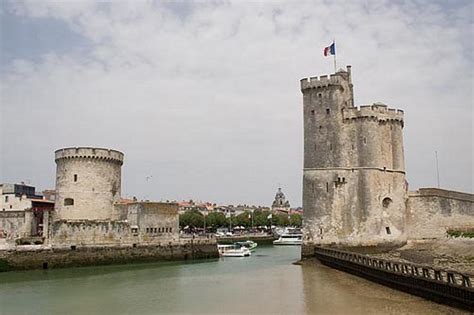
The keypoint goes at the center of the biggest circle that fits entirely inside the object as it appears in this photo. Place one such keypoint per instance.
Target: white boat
(233, 250)
(289, 239)
(251, 245)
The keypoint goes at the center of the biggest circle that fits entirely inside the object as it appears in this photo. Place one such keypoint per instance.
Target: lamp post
(204, 224)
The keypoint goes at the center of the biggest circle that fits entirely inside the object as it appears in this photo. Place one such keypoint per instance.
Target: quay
(442, 286)
(27, 257)
(259, 238)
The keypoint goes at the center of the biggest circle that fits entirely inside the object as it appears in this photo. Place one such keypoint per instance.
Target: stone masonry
(354, 187)
(88, 182)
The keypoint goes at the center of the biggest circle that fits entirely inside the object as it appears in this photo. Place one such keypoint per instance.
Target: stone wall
(351, 212)
(140, 223)
(46, 258)
(432, 211)
(88, 183)
(12, 224)
(354, 188)
(90, 232)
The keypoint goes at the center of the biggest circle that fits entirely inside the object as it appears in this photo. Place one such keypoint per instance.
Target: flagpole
(335, 67)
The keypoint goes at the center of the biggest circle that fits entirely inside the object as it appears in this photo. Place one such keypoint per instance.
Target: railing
(450, 277)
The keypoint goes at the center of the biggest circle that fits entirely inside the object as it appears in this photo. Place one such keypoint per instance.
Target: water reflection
(266, 283)
(329, 291)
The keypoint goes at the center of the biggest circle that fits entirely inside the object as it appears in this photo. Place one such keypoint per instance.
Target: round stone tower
(88, 183)
(354, 187)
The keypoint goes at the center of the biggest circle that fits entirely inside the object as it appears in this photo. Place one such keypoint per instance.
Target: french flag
(330, 50)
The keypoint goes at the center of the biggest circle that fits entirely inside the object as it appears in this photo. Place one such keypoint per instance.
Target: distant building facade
(23, 212)
(280, 203)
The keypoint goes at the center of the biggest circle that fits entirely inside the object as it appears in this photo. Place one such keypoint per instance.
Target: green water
(266, 283)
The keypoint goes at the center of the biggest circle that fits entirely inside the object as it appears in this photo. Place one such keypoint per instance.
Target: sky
(204, 99)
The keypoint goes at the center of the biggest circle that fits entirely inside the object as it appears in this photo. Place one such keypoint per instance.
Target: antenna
(437, 167)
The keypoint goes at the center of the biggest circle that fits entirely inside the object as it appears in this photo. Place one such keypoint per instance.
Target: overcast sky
(205, 99)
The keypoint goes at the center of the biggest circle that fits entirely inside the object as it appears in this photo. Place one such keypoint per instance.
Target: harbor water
(268, 282)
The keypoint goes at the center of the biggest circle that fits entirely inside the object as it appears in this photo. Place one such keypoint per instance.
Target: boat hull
(277, 242)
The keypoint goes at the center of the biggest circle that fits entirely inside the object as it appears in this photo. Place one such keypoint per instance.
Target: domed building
(280, 203)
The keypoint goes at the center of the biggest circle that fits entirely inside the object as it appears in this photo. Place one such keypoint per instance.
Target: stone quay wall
(12, 224)
(433, 211)
(442, 286)
(42, 257)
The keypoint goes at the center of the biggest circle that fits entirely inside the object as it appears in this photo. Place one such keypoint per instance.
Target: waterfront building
(24, 214)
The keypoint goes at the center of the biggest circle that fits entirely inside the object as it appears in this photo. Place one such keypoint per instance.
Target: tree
(191, 218)
(216, 220)
(243, 219)
(281, 220)
(260, 218)
(296, 220)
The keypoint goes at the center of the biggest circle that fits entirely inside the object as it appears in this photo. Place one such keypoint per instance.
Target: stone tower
(88, 182)
(354, 187)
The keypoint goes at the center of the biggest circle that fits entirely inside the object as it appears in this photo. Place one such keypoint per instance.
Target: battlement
(381, 112)
(90, 153)
(335, 79)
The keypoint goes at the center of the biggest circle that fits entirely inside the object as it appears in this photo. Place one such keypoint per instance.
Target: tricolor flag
(330, 50)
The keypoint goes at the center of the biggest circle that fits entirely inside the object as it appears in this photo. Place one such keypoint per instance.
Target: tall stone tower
(354, 187)
(88, 182)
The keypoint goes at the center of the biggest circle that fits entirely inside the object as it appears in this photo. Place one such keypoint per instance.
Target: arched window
(386, 202)
(69, 202)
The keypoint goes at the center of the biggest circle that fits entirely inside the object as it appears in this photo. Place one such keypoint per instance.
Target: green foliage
(192, 218)
(260, 218)
(281, 220)
(455, 233)
(216, 220)
(296, 220)
(243, 219)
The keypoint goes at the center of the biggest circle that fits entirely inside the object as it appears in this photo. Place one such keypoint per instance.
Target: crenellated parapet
(102, 154)
(379, 112)
(324, 81)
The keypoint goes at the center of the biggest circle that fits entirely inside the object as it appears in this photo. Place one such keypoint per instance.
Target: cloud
(206, 97)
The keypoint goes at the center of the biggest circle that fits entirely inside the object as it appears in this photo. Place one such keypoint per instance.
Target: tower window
(330, 146)
(327, 187)
(387, 229)
(6, 198)
(320, 95)
(365, 140)
(315, 147)
(69, 202)
(75, 177)
(386, 202)
(312, 112)
(328, 111)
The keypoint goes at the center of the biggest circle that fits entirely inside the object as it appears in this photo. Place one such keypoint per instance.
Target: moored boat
(251, 245)
(233, 250)
(290, 237)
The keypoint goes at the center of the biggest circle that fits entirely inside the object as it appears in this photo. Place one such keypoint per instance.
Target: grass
(455, 233)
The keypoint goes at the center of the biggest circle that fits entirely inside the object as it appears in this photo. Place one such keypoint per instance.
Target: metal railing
(450, 277)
